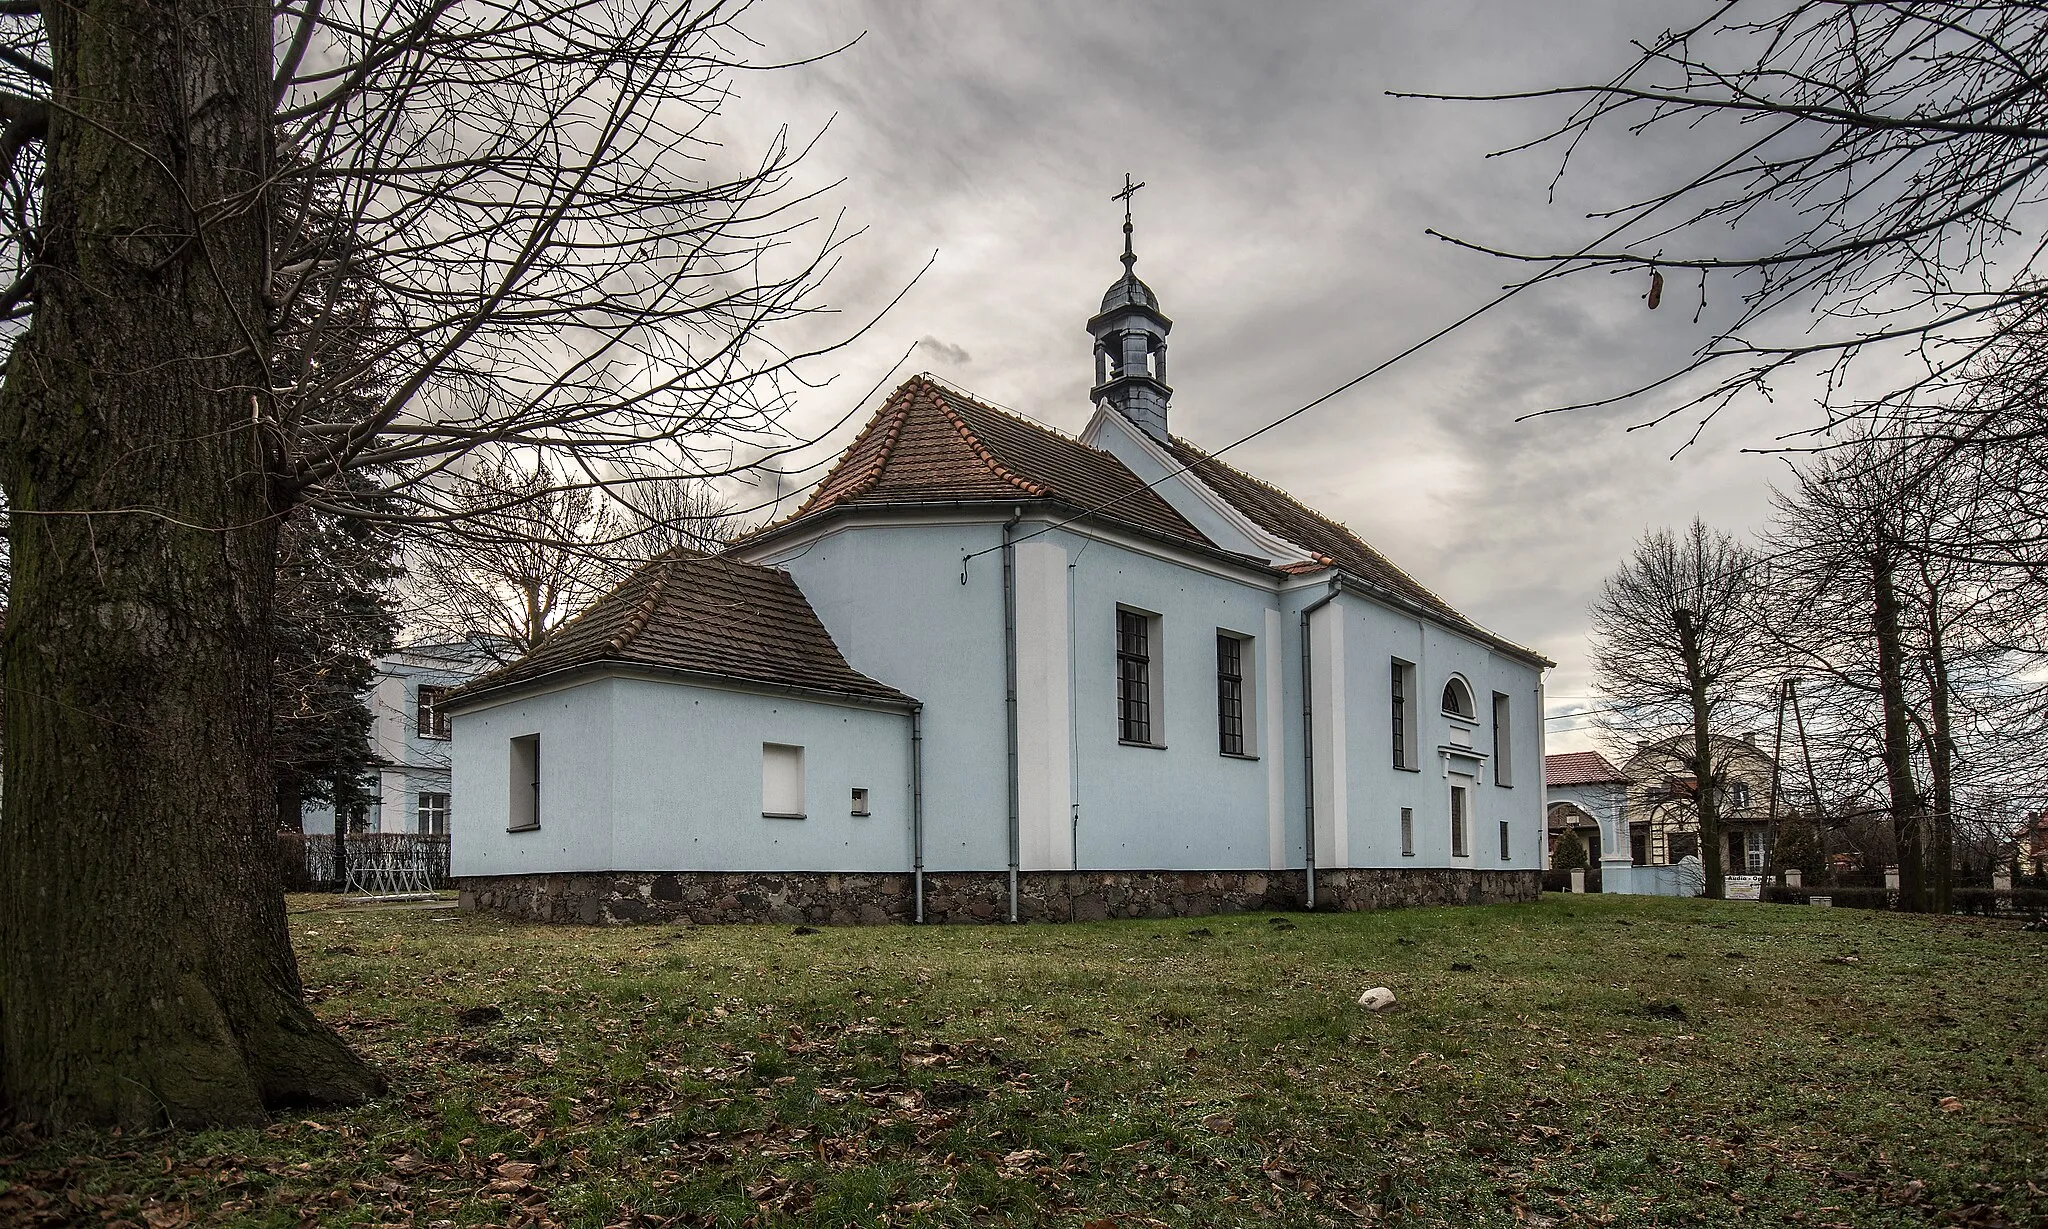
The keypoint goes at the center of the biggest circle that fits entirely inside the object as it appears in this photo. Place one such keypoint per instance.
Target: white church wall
(1044, 674)
(891, 596)
(688, 788)
(1187, 806)
(575, 728)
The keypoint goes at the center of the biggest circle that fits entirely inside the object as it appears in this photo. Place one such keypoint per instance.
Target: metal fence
(374, 863)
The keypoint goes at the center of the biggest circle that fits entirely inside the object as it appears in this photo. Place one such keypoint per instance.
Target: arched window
(1458, 699)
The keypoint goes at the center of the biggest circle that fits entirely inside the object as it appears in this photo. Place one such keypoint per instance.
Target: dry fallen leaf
(1949, 1105)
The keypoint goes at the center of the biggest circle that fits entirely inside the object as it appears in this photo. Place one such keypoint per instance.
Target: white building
(992, 671)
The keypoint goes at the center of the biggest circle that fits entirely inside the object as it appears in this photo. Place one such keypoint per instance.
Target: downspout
(1308, 737)
(1010, 686)
(917, 811)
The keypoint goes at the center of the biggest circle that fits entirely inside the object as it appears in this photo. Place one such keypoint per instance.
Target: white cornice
(1276, 548)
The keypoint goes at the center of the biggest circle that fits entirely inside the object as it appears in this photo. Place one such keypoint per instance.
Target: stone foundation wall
(847, 899)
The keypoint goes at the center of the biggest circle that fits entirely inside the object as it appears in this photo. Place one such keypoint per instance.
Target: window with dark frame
(525, 784)
(1460, 843)
(433, 723)
(1504, 840)
(1400, 714)
(1133, 676)
(1457, 699)
(1407, 832)
(1229, 694)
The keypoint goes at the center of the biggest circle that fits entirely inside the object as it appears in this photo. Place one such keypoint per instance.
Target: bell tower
(1130, 342)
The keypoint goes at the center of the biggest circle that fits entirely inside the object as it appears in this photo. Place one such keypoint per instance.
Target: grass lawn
(1588, 1060)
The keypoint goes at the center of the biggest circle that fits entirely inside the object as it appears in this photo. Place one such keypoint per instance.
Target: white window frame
(424, 812)
(784, 789)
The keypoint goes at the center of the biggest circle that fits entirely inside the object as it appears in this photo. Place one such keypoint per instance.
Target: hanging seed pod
(1656, 289)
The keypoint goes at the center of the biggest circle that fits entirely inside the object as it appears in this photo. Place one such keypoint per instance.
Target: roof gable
(929, 443)
(705, 614)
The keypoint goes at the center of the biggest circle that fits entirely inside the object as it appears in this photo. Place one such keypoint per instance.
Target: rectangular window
(433, 814)
(782, 781)
(1460, 820)
(432, 723)
(1407, 832)
(1133, 676)
(860, 800)
(1230, 655)
(525, 783)
(1504, 840)
(1403, 683)
(1503, 743)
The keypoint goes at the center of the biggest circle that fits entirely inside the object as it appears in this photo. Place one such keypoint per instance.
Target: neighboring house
(1589, 796)
(990, 670)
(409, 734)
(1663, 807)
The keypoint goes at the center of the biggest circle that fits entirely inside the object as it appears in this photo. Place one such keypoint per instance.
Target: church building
(990, 671)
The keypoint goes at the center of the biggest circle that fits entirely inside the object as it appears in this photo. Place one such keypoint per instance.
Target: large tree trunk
(146, 974)
(1898, 749)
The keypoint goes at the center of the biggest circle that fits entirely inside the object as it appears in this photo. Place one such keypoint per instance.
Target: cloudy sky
(1283, 227)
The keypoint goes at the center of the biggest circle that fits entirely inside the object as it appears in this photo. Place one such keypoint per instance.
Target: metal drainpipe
(917, 809)
(1308, 738)
(1010, 686)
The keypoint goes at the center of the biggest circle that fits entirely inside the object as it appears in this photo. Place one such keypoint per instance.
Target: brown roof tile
(1580, 768)
(702, 613)
(1287, 518)
(929, 442)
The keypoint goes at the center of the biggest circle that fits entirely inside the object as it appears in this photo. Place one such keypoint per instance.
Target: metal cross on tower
(1130, 189)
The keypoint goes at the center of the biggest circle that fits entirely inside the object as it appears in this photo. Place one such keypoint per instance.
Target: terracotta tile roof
(1580, 768)
(932, 443)
(702, 613)
(1286, 517)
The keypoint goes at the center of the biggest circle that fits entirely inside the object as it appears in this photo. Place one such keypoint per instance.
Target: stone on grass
(1379, 998)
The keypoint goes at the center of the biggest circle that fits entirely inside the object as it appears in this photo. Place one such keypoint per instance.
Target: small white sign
(1745, 887)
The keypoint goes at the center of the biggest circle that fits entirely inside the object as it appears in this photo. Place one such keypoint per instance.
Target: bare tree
(523, 550)
(1676, 648)
(1926, 655)
(310, 256)
(1868, 181)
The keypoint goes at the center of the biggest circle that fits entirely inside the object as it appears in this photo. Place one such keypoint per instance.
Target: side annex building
(989, 671)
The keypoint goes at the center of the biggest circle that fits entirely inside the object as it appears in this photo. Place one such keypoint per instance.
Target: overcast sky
(1283, 228)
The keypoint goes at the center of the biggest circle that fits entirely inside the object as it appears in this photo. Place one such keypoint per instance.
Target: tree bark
(146, 975)
(1941, 760)
(1706, 794)
(1898, 748)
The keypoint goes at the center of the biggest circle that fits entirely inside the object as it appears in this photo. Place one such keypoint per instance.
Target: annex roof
(1580, 768)
(930, 443)
(705, 614)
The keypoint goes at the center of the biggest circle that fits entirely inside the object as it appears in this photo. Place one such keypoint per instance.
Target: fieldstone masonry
(849, 899)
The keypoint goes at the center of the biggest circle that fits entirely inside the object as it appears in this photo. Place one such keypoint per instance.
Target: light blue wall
(1188, 806)
(577, 740)
(892, 598)
(687, 790)
(647, 774)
